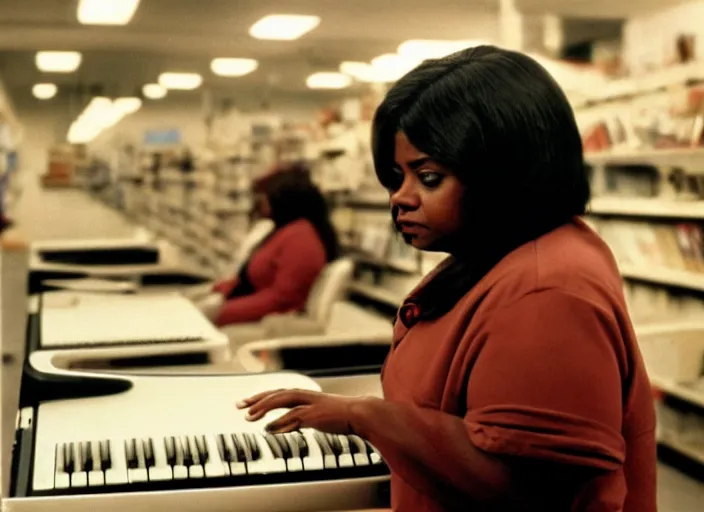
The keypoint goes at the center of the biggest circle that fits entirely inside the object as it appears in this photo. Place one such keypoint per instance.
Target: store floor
(66, 213)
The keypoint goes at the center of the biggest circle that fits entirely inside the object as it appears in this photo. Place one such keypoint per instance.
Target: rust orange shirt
(540, 362)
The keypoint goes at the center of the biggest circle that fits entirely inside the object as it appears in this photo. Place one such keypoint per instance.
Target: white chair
(328, 289)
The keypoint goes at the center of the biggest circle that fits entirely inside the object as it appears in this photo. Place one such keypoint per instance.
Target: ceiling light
(233, 67)
(106, 12)
(58, 62)
(127, 105)
(283, 27)
(391, 66)
(154, 91)
(182, 81)
(44, 91)
(328, 80)
(362, 71)
(422, 49)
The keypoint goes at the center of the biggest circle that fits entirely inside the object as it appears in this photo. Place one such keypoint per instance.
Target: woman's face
(428, 199)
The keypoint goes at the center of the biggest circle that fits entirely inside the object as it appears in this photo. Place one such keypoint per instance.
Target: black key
(131, 454)
(78, 458)
(105, 460)
(180, 457)
(273, 443)
(148, 447)
(202, 446)
(302, 443)
(186, 449)
(170, 448)
(139, 449)
(68, 457)
(251, 441)
(242, 451)
(87, 456)
(285, 443)
(324, 443)
(335, 444)
(223, 449)
(193, 446)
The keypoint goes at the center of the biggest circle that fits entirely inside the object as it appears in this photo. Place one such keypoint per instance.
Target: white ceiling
(187, 34)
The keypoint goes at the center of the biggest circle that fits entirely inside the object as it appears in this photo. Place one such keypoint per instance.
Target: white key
(195, 470)
(96, 477)
(138, 474)
(329, 458)
(314, 460)
(161, 469)
(117, 474)
(294, 463)
(61, 479)
(214, 466)
(180, 470)
(360, 457)
(345, 459)
(266, 462)
(237, 467)
(375, 456)
(79, 478)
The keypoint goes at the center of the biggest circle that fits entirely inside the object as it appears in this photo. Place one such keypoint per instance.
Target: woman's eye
(430, 179)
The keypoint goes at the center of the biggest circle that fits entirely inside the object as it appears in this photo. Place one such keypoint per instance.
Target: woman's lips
(411, 228)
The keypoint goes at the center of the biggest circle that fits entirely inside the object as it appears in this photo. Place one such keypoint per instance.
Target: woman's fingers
(292, 420)
(279, 400)
(246, 402)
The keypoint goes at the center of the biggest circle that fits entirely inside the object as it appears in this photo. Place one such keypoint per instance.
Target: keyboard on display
(179, 442)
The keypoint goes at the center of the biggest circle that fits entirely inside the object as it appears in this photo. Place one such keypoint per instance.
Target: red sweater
(537, 362)
(282, 272)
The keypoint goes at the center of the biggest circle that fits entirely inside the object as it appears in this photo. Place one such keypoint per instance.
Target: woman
(281, 272)
(514, 381)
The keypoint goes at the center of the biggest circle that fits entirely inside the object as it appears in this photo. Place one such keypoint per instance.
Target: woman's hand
(309, 409)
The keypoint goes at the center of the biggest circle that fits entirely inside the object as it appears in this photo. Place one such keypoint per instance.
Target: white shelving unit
(665, 276)
(627, 206)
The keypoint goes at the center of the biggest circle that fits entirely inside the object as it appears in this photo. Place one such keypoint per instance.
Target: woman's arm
(544, 412)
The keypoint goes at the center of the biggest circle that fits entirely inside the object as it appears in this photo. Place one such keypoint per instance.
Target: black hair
(503, 126)
(292, 196)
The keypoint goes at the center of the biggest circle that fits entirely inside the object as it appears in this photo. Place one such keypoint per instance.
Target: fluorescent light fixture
(391, 66)
(127, 105)
(362, 71)
(154, 91)
(283, 27)
(58, 62)
(106, 12)
(44, 91)
(328, 80)
(233, 66)
(422, 49)
(181, 81)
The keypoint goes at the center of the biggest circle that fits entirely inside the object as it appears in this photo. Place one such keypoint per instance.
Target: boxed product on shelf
(676, 354)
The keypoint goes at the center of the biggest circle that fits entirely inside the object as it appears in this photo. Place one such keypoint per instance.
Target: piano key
(266, 462)
(359, 450)
(105, 454)
(62, 480)
(96, 477)
(131, 453)
(329, 457)
(291, 452)
(79, 478)
(160, 468)
(235, 455)
(86, 456)
(334, 443)
(179, 467)
(374, 455)
(244, 453)
(202, 446)
(215, 464)
(117, 471)
(68, 458)
(195, 469)
(313, 459)
(138, 471)
(345, 459)
(148, 447)
(250, 440)
(170, 448)
(302, 443)
(274, 445)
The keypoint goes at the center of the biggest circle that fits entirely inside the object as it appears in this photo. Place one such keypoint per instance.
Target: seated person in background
(281, 272)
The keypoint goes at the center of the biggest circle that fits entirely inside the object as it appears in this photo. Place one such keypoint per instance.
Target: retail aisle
(51, 214)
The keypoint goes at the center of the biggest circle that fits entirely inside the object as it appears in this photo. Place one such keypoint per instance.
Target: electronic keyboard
(129, 251)
(179, 443)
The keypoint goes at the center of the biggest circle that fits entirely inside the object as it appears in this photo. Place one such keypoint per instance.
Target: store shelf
(628, 206)
(377, 293)
(665, 276)
(694, 452)
(692, 393)
(688, 158)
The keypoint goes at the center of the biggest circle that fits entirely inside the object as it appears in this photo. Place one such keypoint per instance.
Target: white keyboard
(181, 440)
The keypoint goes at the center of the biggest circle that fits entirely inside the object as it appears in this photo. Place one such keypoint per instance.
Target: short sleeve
(547, 383)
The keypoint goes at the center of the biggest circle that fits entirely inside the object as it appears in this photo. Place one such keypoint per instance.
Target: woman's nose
(406, 197)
